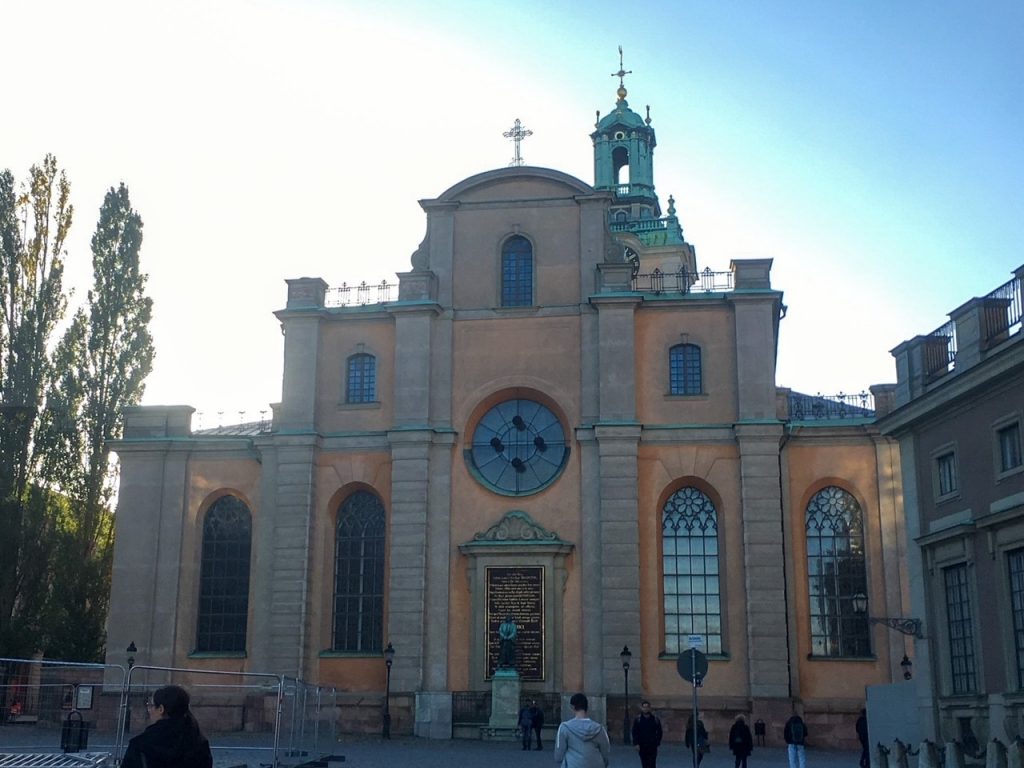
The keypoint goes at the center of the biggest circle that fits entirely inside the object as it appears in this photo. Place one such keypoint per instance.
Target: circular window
(518, 448)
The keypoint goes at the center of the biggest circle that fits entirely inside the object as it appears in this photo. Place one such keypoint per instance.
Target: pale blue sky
(874, 150)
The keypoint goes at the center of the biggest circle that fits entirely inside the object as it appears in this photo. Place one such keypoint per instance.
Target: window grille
(684, 370)
(224, 577)
(1016, 569)
(836, 572)
(692, 591)
(517, 272)
(359, 575)
(361, 386)
(961, 629)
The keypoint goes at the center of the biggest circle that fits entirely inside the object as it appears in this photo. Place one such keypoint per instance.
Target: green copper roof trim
(516, 528)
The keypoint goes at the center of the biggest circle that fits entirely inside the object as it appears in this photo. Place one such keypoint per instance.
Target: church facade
(560, 418)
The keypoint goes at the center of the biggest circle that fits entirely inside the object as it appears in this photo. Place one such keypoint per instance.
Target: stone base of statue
(505, 688)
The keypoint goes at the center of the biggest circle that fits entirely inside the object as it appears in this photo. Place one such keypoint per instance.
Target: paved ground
(253, 751)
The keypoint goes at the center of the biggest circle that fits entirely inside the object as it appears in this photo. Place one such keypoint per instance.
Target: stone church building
(562, 417)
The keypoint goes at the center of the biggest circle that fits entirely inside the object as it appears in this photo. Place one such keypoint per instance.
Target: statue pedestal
(505, 688)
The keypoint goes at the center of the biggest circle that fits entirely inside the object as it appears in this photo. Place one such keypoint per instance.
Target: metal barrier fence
(95, 709)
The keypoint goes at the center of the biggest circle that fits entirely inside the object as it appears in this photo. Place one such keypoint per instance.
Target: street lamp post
(389, 657)
(626, 656)
(131, 650)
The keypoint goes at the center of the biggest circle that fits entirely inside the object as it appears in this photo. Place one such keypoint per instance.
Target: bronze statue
(507, 635)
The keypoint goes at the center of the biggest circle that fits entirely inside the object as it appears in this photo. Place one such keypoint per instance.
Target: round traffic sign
(692, 665)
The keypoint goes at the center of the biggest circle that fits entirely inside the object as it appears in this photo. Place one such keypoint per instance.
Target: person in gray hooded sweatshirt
(581, 743)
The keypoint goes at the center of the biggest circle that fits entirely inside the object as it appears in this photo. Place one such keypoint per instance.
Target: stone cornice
(516, 529)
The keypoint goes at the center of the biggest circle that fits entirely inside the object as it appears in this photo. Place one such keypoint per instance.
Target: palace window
(836, 572)
(1016, 569)
(224, 577)
(359, 575)
(517, 272)
(961, 629)
(361, 384)
(684, 370)
(946, 483)
(1009, 447)
(693, 595)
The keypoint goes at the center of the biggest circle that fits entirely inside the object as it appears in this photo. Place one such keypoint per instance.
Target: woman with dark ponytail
(173, 738)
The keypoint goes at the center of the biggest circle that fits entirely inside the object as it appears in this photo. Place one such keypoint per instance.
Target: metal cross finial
(517, 134)
(621, 74)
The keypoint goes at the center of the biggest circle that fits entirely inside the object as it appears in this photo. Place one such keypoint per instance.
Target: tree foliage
(62, 507)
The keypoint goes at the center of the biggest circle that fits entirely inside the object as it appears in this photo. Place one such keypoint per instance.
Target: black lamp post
(626, 656)
(389, 657)
(906, 665)
(131, 650)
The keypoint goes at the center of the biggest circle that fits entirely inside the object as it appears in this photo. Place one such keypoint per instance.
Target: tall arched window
(836, 572)
(693, 595)
(224, 577)
(361, 383)
(517, 272)
(359, 575)
(684, 370)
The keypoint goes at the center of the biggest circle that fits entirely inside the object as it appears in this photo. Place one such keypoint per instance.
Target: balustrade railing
(1005, 316)
(359, 295)
(826, 407)
(940, 349)
(682, 281)
(213, 423)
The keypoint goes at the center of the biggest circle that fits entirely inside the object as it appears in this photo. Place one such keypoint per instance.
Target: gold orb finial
(621, 92)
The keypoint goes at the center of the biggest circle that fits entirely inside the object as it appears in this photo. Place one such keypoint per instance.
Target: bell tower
(624, 165)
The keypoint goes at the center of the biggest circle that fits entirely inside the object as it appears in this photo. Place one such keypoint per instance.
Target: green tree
(33, 228)
(101, 364)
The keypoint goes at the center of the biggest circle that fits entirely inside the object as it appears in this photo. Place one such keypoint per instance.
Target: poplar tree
(33, 229)
(101, 364)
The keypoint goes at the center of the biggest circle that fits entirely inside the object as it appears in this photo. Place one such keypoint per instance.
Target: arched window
(361, 384)
(836, 572)
(684, 370)
(517, 272)
(224, 577)
(359, 575)
(693, 596)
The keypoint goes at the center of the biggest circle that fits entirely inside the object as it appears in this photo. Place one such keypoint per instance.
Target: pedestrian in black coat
(741, 742)
(862, 737)
(173, 739)
(647, 735)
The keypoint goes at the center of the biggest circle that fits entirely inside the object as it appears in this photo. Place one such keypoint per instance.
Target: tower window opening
(620, 163)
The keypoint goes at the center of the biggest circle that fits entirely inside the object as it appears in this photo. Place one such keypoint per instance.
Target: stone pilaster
(291, 522)
(763, 569)
(620, 548)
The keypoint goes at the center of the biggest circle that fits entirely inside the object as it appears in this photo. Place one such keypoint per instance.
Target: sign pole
(696, 711)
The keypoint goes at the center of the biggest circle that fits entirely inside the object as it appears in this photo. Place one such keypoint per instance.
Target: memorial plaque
(517, 591)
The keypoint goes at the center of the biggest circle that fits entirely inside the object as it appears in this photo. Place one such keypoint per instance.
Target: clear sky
(873, 149)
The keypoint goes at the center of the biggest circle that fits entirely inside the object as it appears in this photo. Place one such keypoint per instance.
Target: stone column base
(433, 715)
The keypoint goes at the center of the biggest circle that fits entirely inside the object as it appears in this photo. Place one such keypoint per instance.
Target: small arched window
(517, 272)
(836, 572)
(693, 595)
(361, 381)
(359, 575)
(684, 370)
(224, 577)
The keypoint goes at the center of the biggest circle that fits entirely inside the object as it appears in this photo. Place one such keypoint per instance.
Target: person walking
(647, 735)
(526, 726)
(580, 742)
(536, 722)
(795, 734)
(862, 737)
(699, 746)
(741, 742)
(173, 738)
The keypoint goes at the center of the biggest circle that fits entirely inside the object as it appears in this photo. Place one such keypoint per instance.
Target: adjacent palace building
(561, 417)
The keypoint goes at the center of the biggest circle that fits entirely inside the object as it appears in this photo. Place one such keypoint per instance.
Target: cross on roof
(621, 74)
(517, 133)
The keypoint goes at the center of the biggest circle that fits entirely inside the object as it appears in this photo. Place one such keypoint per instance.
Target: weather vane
(517, 134)
(621, 74)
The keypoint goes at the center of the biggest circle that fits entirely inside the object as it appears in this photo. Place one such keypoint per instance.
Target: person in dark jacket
(537, 722)
(173, 739)
(862, 737)
(647, 735)
(795, 734)
(741, 742)
(699, 745)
